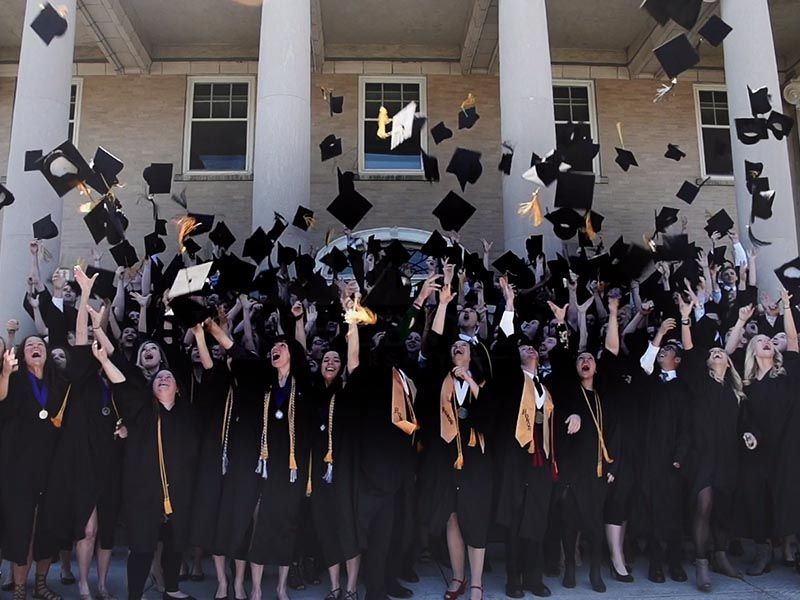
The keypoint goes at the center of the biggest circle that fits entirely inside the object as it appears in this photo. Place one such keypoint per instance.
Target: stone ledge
(717, 182)
(389, 177)
(189, 177)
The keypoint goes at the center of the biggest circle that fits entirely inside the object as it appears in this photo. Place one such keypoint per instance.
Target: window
(393, 93)
(74, 109)
(713, 131)
(574, 106)
(219, 125)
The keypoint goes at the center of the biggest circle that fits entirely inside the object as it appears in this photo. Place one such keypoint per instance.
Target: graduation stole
(526, 417)
(597, 417)
(59, 418)
(263, 458)
(448, 421)
(162, 467)
(226, 428)
(403, 403)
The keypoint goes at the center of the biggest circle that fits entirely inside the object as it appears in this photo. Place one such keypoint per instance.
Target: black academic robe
(142, 491)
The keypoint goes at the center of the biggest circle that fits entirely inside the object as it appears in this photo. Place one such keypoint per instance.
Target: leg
(138, 569)
(595, 540)
(171, 565)
(65, 556)
(456, 550)
(615, 536)
(256, 574)
(155, 569)
(103, 565)
(85, 550)
(568, 510)
(476, 558)
(353, 567)
(513, 564)
(282, 589)
(334, 573)
(379, 537)
(222, 577)
(197, 566)
(534, 569)
(238, 580)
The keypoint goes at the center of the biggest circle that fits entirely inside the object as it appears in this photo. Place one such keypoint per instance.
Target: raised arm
(648, 359)
(143, 300)
(97, 328)
(353, 342)
(299, 324)
(247, 306)
(751, 268)
(34, 301)
(507, 320)
(119, 297)
(446, 295)
(219, 334)
(82, 323)
(602, 313)
(612, 330)
(147, 274)
(583, 330)
(202, 347)
(113, 374)
(686, 323)
(788, 322)
(745, 313)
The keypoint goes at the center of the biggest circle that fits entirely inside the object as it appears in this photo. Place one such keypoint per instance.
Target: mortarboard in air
(575, 190)
(349, 207)
(467, 118)
(618, 249)
(543, 172)
(191, 247)
(374, 246)
(674, 153)
(49, 24)
(396, 253)
(689, 190)
(303, 218)
(278, 227)
(330, 147)
(6, 197)
(161, 226)
(666, 216)
(64, 168)
(636, 261)
(441, 132)
(453, 212)
(720, 223)
(158, 177)
(32, 158)
(466, 166)
(534, 247)
(106, 167)
(124, 254)
(435, 245)
(789, 276)
(506, 159)
(179, 199)
(677, 55)
(657, 9)
(116, 224)
(286, 255)
(751, 130)
(335, 259)
(752, 170)
(45, 229)
(473, 264)
(258, 246)
(188, 312)
(191, 280)
(684, 12)
(335, 103)
(779, 124)
(674, 248)
(762, 205)
(97, 221)
(749, 295)
(430, 165)
(715, 30)
(594, 219)
(104, 284)
(515, 269)
(222, 236)
(566, 222)
(717, 255)
(202, 223)
(625, 159)
(153, 244)
(235, 274)
(403, 125)
(579, 153)
(304, 266)
(760, 103)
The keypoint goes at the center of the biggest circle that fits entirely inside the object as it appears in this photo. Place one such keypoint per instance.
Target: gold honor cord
(602, 451)
(263, 459)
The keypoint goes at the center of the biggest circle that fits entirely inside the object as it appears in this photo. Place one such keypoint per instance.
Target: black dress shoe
(656, 574)
(569, 576)
(676, 573)
(68, 579)
(410, 576)
(540, 590)
(596, 580)
(514, 591)
(621, 578)
(395, 590)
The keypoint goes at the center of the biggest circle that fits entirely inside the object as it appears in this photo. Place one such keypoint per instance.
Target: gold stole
(226, 428)
(448, 422)
(263, 458)
(162, 466)
(602, 451)
(403, 404)
(59, 418)
(527, 415)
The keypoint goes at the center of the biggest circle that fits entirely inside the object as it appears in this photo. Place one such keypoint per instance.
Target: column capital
(791, 92)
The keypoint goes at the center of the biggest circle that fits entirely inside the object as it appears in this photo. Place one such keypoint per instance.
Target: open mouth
(275, 356)
(148, 356)
(36, 354)
(330, 369)
(584, 368)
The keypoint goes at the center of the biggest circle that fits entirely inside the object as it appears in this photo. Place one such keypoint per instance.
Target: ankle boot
(596, 579)
(701, 574)
(569, 574)
(723, 566)
(762, 562)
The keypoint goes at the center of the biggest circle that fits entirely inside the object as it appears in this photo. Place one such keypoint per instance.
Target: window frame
(593, 123)
(709, 87)
(363, 80)
(250, 80)
(76, 122)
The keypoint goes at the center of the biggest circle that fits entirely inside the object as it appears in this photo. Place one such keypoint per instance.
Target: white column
(281, 175)
(40, 122)
(526, 106)
(791, 93)
(750, 60)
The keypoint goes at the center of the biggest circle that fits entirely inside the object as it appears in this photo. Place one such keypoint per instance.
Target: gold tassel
(473, 440)
(590, 232)
(185, 226)
(163, 469)
(459, 464)
(469, 102)
(533, 208)
(309, 486)
(383, 121)
(59, 418)
(310, 221)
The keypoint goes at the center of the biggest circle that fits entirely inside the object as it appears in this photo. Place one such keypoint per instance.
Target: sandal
(477, 587)
(105, 595)
(448, 595)
(350, 595)
(334, 594)
(20, 592)
(42, 592)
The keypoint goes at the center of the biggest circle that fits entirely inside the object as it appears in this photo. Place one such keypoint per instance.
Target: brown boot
(20, 592)
(723, 566)
(701, 574)
(41, 591)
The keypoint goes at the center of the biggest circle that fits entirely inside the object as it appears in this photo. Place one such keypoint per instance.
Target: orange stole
(403, 404)
(527, 415)
(448, 422)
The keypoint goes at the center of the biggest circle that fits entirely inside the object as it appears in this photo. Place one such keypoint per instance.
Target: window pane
(378, 156)
(240, 89)
(721, 99)
(239, 110)
(717, 151)
(393, 107)
(707, 116)
(201, 110)
(374, 95)
(221, 91)
(562, 112)
(579, 93)
(580, 113)
(218, 146)
(73, 93)
(371, 110)
(373, 88)
(221, 110)
(722, 117)
(72, 111)
(71, 132)
(560, 91)
(706, 96)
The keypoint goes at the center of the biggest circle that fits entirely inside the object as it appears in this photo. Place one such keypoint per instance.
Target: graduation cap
(435, 245)
(335, 103)
(430, 165)
(751, 130)
(403, 125)
(45, 229)
(6, 197)
(179, 199)
(684, 12)
(637, 259)
(106, 167)
(515, 268)
(543, 172)
(49, 24)
(677, 55)
(336, 260)
(566, 222)
(506, 159)
(747, 296)
(717, 255)
(789, 276)
(466, 166)
(153, 244)
(467, 118)
(374, 246)
(453, 212)
(304, 266)
(190, 281)
(124, 254)
(689, 190)
(158, 177)
(625, 159)
(396, 253)
(674, 153)
(202, 224)
(349, 207)
(390, 292)
(440, 132)
(666, 216)
(715, 30)
(762, 204)
(303, 218)
(222, 236)
(65, 168)
(235, 274)
(674, 248)
(32, 158)
(618, 249)
(579, 152)
(575, 190)
(594, 220)
(97, 221)
(473, 264)
(161, 226)
(752, 171)
(760, 103)
(720, 222)
(104, 284)
(258, 246)
(779, 124)
(534, 247)
(286, 255)
(191, 247)
(330, 147)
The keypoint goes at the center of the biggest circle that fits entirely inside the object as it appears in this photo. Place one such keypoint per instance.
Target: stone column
(791, 93)
(281, 165)
(750, 60)
(40, 122)
(526, 105)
